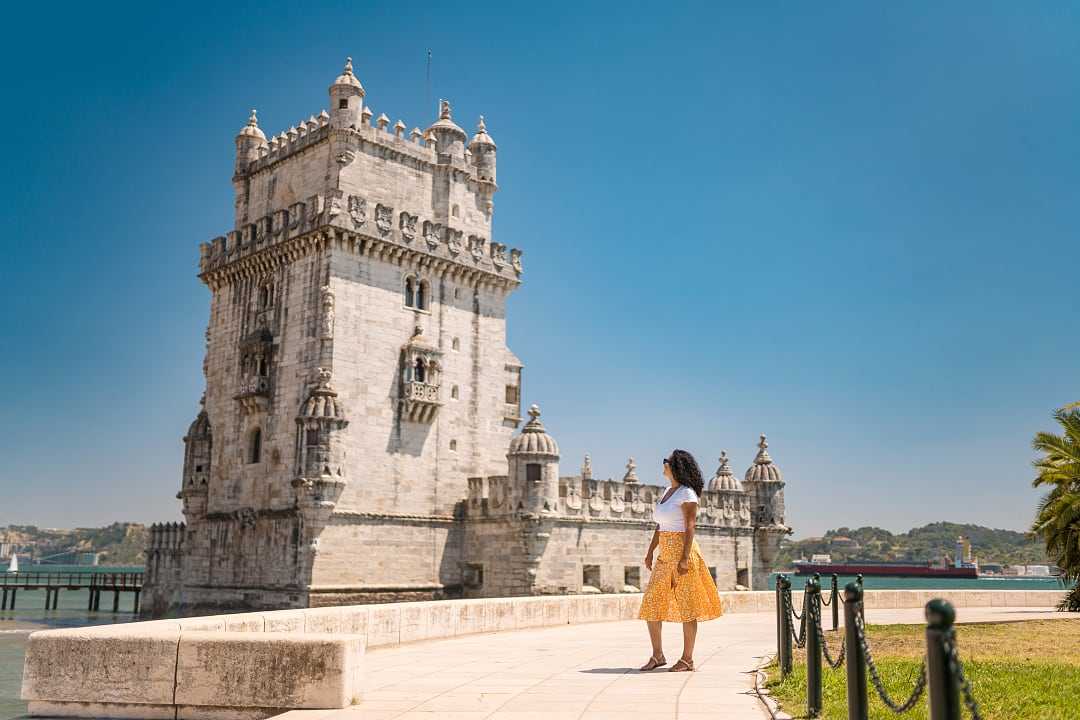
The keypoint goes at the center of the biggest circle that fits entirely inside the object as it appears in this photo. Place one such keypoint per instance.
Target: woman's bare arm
(689, 510)
(652, 547)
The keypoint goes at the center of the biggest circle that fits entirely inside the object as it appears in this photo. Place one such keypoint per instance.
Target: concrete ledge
(250, 666)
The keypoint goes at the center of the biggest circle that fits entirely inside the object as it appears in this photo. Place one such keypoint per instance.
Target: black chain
(800, 638)
(879, 686)
(957, 670)
(825, 602)
(824, 647)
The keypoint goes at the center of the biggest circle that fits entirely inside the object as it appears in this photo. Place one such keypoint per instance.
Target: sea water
(871, 582)
(30, 615)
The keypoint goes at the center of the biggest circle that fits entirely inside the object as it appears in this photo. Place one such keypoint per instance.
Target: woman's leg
(654, 637)
(689, 636)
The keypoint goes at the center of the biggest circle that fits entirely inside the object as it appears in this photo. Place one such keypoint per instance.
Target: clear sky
(850, 227)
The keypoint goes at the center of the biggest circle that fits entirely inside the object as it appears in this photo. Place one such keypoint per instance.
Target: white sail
(13, 566)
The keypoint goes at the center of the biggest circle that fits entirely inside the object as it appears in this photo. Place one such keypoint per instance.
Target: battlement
(588, 499)
(166, 537)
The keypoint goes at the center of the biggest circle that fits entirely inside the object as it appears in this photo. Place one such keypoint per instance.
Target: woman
(680, 588)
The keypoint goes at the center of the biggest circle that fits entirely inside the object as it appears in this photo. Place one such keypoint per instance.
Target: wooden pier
(53, 582)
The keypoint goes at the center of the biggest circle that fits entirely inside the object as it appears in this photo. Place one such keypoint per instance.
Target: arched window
(455, 211)
(418, 370)
(456, 344)
(453, 445)
(454, 393)
(262, 367)
(410, 292)
(255, 448)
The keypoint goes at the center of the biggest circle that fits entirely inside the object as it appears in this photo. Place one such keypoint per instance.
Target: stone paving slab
(588, 672)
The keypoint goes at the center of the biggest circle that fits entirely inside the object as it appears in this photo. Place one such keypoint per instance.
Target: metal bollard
(779, 622)
(785, 633)
(813, 648)
(943, 686)
(862, 606)
(835, 605)
(856, 661)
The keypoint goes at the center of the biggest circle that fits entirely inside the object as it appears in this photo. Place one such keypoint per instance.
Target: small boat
(13, 566)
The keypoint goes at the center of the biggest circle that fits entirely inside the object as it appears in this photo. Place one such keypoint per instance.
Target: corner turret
(765, 486)
(250, 141)
(534, 468)
(346, 99)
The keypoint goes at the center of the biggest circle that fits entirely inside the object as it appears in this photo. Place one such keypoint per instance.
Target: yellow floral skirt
(674, 597)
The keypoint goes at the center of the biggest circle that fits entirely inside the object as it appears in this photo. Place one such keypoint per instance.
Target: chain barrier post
(779, 617)
(835, 605)
(944, 695)
(856, 659)
(862, 607)
(785, 637)
(813, 648)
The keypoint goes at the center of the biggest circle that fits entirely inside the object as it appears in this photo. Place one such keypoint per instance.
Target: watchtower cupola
(250, 141)
(346, 99)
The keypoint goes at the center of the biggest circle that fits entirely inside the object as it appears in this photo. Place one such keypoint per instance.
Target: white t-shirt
(670, 513)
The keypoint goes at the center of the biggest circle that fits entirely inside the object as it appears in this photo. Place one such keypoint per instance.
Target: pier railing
(53, 582)
(940, 676)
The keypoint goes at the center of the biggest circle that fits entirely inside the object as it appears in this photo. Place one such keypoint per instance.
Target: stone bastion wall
(256, 665)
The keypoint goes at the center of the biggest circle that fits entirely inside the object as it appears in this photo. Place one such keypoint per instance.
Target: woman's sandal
(653, 664)
(682, 666)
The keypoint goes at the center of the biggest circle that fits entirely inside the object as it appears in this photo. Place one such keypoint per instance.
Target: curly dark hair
(686, 471)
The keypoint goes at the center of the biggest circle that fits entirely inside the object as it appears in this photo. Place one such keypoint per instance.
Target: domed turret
(534, 439)
(763, 469)
(534, 468)
(249, 141)
(346, 99)
(482, 148)
(449, 138)
(724, 479)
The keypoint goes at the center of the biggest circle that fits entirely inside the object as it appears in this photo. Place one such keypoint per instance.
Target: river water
(29, 615)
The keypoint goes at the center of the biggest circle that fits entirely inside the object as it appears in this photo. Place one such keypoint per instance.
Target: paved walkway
(586, 672)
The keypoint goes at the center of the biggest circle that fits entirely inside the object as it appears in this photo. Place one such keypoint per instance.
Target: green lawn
(1019, 670)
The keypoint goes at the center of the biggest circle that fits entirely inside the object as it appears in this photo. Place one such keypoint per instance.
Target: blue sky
(850, 227)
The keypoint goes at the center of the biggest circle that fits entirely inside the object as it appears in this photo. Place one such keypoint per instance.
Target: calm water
(29, 615)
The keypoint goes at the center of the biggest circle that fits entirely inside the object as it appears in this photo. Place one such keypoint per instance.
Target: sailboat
(13, 566)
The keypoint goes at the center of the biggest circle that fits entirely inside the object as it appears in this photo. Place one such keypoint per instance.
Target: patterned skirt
(674, 597)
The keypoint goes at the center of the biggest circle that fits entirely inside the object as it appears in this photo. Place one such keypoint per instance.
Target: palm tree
(1057, 521)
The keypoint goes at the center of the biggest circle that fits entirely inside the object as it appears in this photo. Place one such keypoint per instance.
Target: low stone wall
(250, 666)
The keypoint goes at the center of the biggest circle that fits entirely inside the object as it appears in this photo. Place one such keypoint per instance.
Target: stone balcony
(420, 401)
(253, 392)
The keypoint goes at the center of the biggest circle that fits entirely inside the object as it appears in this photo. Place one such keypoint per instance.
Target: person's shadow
(610, 671)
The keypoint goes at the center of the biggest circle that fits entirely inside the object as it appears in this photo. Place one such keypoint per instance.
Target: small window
(456, 344)
(473, 576)
(590, 575)
(511, 395)
(742, 577)
(343, 104)
(453, 445)
(198, 468)
(454, 393)
(255, 449)
(263, 370)
(418, 370)
(632, 576)
(532, 473)
(264, 297)
(456, 212)
(312, 436)
(410, 292)
(457, 293)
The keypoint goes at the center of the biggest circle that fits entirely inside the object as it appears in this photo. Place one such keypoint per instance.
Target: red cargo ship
(892, 569)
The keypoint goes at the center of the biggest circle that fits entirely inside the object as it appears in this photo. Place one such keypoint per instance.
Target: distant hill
(929, 542)
(118, 544)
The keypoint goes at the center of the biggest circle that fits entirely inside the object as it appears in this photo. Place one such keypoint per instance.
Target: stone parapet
(260, 664)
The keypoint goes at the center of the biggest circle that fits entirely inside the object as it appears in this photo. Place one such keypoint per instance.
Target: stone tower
(356, 366)
(765, 485)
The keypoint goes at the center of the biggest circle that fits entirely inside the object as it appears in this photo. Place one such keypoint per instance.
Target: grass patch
(1019, 671)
